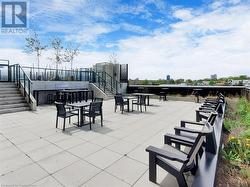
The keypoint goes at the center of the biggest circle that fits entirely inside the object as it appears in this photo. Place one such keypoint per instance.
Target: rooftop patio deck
(34, 152)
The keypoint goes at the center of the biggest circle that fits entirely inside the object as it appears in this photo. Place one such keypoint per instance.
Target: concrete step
(11, 101)
(12, 110)
(9, 92)
(8, 85)
(18, 105)
(4, 96)
(8, 89)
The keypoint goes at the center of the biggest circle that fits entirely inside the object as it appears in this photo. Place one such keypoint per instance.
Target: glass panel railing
(46, 74)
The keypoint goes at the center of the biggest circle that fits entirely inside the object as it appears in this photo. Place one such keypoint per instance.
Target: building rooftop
(34, 152)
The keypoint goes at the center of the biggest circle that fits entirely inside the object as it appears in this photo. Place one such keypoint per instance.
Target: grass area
(234, 166)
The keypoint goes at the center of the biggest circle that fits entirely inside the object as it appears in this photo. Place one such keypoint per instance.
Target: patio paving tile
(24, 176)
(103, 140)
(76, 174)
(47, 182)
(44, 152)
(127, 169)
(57, 162)
(84, 149)
(122, 147)
(103, 158)
(32, 145)
(104, 179)
(69, 143)
(13, 163)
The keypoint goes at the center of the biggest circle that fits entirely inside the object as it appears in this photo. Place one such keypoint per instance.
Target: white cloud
(214, 42)
(183, 14)
(90, 33)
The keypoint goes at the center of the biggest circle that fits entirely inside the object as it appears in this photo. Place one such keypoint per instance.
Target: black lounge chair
(209, 108)
(188, 135)
(62, 113)
(220, 97)
(175, 161)
(141, 101)
(119, 101)
(94, 110)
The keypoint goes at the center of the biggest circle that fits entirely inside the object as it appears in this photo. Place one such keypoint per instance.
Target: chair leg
(145, 108)
(141, 108)
(181, 180)
(56, 121)
(101, 120)
(152, 168)
(90, 127)
(64, 119)
(69, 120)
(93, 120)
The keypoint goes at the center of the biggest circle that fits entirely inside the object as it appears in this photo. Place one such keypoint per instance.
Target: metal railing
(48, 74)
(19, 76)
(105, 82)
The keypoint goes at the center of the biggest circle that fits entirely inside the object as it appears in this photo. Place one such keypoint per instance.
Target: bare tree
(70, 53)
(56, 44)
(34, 44)
(113, 58)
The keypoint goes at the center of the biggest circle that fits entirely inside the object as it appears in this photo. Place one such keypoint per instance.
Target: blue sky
(155, 37)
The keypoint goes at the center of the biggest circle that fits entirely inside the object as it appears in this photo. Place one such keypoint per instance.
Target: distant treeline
(221, 81)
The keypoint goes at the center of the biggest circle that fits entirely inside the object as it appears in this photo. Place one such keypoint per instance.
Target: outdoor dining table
(143, 94)
(128, 98)
(81, 106)
(196, 93)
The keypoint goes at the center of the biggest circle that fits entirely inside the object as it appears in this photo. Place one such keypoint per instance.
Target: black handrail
(18, 75)
(110, 83)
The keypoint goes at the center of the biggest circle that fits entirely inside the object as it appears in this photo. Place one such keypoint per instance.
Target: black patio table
(80, 105)
(128, 98)
(143, 94)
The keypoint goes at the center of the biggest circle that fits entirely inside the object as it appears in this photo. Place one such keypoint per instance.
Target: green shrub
(237, 150)
(230, 124)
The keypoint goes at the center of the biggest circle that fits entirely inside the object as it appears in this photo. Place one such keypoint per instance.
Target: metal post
(29, 91)
(24, 84)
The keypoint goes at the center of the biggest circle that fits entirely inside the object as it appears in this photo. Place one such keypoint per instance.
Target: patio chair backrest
(212, 117)
(142, 99)
(95, 107)
(97, 99)
(61, 111)
(118, 99)
(207, 129)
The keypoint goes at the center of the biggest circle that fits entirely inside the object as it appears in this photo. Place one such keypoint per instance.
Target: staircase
(11, 99)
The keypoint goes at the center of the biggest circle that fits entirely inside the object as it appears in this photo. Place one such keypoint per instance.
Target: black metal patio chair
(175, 161)
(62, 113)
(95, 109)
(140, 102)
(119, 101)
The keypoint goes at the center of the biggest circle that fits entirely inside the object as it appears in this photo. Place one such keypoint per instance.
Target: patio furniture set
(183, 151)
(71, 103)
(141, 100)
